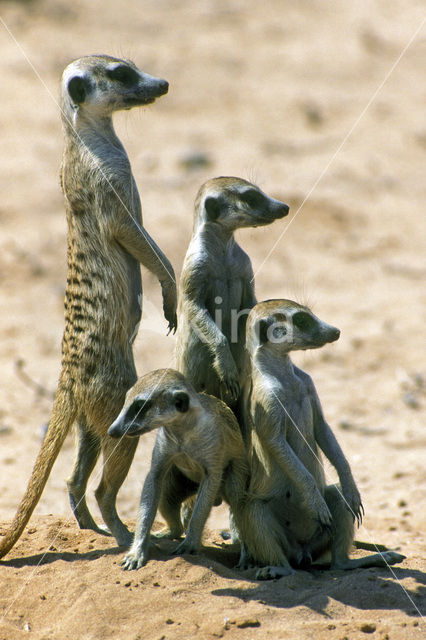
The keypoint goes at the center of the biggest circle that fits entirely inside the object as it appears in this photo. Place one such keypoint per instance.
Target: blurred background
(314, 102)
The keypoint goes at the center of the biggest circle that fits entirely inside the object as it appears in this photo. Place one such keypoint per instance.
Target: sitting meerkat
(198, 450)
(299, 517)
(217, 285)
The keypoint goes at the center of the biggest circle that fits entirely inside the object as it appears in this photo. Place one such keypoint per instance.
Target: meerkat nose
(283, 211)
(114, 430)
(334, 334)
(163, 87)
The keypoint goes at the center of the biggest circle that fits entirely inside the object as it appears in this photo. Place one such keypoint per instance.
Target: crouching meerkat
(198, 450)
(299, 517)
(106, 243)
(216, 286)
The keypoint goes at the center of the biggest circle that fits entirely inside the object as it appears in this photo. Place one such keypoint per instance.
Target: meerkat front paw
(169, 305)
(228, 376)
(134, 560)
(319, 509)
(186, 547)
(353, 502)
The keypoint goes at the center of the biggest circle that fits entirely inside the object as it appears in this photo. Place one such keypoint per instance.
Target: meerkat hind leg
(186, 510)
(264, 542)
(383, 559)
(204, 502)
(175, 490)
(88, 449)
(118, 457)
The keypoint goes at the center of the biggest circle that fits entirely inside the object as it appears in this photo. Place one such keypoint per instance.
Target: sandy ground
(292, 96)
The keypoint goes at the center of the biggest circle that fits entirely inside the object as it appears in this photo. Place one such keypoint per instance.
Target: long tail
(369, 546)
(63, 416)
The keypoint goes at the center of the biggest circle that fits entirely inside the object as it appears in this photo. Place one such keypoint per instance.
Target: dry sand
(270, 92)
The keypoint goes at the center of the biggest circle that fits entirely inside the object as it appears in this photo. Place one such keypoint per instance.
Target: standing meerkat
(106, 243)
(198, 450)
(299, 517)
(216, 286)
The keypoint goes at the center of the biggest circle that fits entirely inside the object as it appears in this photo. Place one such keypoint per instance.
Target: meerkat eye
(125, 75)
(253, 198)
(138, 409)
(303, 321)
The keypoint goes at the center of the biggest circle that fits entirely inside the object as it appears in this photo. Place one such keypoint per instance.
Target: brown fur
(217, 287)
(106, 243)
(198, 450)
(299, 517)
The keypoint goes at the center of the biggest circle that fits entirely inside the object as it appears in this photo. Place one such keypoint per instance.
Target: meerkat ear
(181, 400)
(78, 89)
(212, 208)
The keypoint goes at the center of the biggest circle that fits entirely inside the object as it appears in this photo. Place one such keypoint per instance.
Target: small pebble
(248, 622)
(368, 627)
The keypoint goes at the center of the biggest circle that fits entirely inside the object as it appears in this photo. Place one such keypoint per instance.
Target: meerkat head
(234, 203)
(281, 326)
(101, 85)
(162, 398)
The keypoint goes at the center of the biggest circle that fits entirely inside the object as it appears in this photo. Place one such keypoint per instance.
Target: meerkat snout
(163, 87)
(129, 421)
(333, 334)
(282, 211)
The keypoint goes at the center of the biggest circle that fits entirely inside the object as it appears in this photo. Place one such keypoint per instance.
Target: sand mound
(61, 582)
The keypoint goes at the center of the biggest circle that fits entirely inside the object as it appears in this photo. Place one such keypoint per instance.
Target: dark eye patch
(124, 75)
(303, 321)
(253, 198)
(138, 408)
